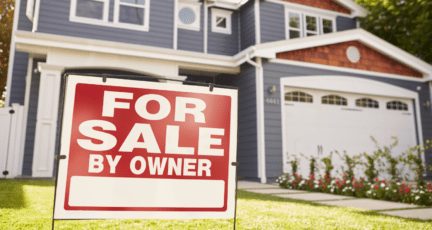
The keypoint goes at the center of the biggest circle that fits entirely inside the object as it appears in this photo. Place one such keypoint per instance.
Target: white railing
(11, 140)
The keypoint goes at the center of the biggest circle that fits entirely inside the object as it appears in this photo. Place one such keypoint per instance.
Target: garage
(317, 122)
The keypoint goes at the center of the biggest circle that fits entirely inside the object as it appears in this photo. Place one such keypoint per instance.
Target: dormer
(292, 19)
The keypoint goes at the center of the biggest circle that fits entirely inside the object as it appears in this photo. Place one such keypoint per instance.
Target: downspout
(206, 7)
(259, 81)
(175, 32)
(36, 16)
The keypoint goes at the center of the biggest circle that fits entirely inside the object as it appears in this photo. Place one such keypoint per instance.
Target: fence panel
(5, 120)
(11, 135)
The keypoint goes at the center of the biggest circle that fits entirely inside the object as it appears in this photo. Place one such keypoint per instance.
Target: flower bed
(380, 189)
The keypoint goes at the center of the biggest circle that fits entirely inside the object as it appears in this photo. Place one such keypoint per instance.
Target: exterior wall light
(272, 90)
(427, 104)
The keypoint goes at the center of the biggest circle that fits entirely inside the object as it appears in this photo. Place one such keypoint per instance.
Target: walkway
(384, 207)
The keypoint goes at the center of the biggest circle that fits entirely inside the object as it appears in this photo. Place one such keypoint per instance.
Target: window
(300, 24)
(397, 105)
(129, 14)
(327, 26)
(298, 96)
(311, 26)
(294, 25)
(334, 100)
(367, 103)
(189, 15)
(91, 10)
(221, 21)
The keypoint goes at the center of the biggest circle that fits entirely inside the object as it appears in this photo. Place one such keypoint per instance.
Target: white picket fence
(11, 140)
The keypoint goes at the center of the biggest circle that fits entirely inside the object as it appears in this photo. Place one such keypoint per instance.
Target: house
(310, 80)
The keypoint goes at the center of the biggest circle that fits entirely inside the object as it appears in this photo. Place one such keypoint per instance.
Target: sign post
(145, 150)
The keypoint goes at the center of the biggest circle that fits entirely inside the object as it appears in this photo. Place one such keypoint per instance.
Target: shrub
(351, 163)
(328, 165)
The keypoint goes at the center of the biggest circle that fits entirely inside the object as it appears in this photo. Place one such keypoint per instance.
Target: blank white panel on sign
(142, 192)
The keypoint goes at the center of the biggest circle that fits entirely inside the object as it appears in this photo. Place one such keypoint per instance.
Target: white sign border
(61, 214)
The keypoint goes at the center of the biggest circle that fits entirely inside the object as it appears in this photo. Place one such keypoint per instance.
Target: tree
(406, 24)
(6, 23)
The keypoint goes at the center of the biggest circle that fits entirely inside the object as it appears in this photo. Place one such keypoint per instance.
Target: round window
(353, 54)
(187, 15)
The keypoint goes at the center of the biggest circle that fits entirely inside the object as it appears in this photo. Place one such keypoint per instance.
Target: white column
(46, 120)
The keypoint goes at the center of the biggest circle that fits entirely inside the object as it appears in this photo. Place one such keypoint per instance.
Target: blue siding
(273, 131)
(17, 91)
(272, 22)
(192, 40)
(247, 140)
(54, 19)
(31, 120)
(224, 44)
(247, 25)
(344, 23)
(24, 22)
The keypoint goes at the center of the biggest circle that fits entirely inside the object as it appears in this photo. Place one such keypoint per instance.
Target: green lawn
(28, 205)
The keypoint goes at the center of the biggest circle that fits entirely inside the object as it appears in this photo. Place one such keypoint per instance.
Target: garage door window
(298, 96)
(334, 100)
(367, 103)
(397, 105)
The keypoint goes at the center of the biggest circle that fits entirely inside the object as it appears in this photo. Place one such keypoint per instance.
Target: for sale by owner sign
(139, 149)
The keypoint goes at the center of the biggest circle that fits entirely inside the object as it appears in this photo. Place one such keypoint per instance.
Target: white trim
(146, 15)
(43, 43)
(347, 70)
(175, 33)
(30, 9)
(26, 108)
(221, 13)
(259, 81)
(257, 22)
(357, 85)
(196, 8)
(358, 11)
(36, 16)
(270, 49)
(12, 53)
(287, 26)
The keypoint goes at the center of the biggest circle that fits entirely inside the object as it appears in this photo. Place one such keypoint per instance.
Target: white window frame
(74, 18)
(317, 32)
(322, 24)
(146, 7)
(287, 12)
(105, 22)
(196, 8)
(221, 13)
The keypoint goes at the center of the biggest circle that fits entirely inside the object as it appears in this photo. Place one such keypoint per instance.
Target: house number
(273, 101)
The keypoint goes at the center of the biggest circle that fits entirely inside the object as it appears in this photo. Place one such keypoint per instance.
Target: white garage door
(318, 122)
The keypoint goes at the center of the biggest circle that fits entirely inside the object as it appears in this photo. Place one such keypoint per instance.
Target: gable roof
(271, 49)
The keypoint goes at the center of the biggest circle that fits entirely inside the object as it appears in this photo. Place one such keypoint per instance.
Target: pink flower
(407, 190)
(345, 175)
(429, 189)
(376, 179)
(337, 182)
(376, 187)
(353, 178)
(339, 186)
(295, 174)
(384, 181)
(325, 186)
(325, 176)
(403, 184)
(298, 178)
(320, 183)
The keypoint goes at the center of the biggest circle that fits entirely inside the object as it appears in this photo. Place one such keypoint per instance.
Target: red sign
(146, 148)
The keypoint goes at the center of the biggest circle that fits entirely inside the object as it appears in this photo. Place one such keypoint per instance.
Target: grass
(27, 204)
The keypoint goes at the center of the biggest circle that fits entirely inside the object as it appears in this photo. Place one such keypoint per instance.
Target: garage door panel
(316, 129)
